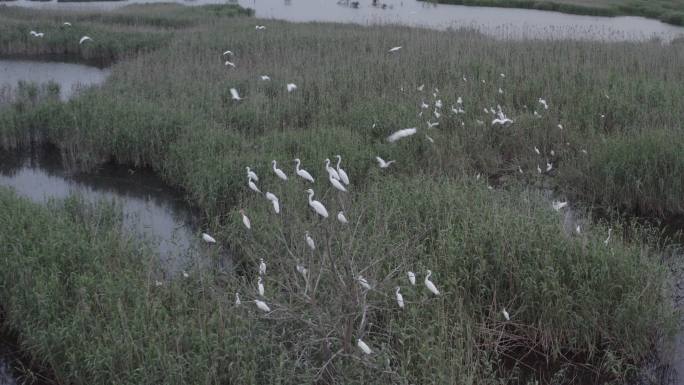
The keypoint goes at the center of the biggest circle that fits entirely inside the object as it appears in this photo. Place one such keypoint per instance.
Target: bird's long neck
(339, 159)
(274, 166)
(297, 167)
(427, 277)
(311, 194)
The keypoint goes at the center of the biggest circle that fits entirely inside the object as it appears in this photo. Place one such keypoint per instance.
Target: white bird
(502, 122)
(539, 170)
(431, 286)
(520, 169)
(536, 114)
(364, 348)
(458, 110)
(66, 24)
(309, 241)
(228, 53)
(274, 200)
(502, 75)
(245, 220)
(437, 114)
(302, 270)
(253, 186)
(608, 239)
(432, 125)
(303, 173)
(394, 49)
(543, 103)
(459, 100)
(316, 205)
(578, 230)
(262, 305)
(549, 166)
(234, 94)
(84, 39)
(340, 172)
(422, 86)
(560, 126)
(185, 274)
(229, 64)
(158, 283)
(208, 238)
(500, 91)
(291, 87)
(536, 150)
(260, 27)
(557, 205)
(406, 132)
(336, 183)
(237, 299)
(260, 286)
(342, 218)
(438, 103)
(382, 163)
(265, 77)
(429, 138)
(412, 278)
(262, 266)
(424, 105)
(400, 298)
(37, 34)
(278, 171)
(331, 171)
(505, 314)
(363, 282)
(251, 175)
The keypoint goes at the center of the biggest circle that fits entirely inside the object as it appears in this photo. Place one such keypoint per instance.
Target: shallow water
(497, 22)
(70, 76)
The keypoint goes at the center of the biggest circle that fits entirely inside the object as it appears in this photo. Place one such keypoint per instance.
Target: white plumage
(382, 163)
(340, 172)
(431, 286)
(342, 218)
(412, 277)
(260, 286)
(301, 172)
(309, 241)
(406, 132)
(336, 183)
(364, 348)
(262, 266)
(251, 175)
(394, 49)
(237, 299)
(278, 171)
(274, 200)
(331, 171)
(245, 220)
(253, 186)
(363, 282)
(234, 94)
(316, 205)
(400, 298)
(557, 205)
(262, 305)
(84, 39)
(291, 87)
(208, 238)
(265, 77)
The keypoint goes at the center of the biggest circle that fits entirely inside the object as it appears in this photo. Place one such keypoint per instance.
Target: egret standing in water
(431, 286)
(316, 205)
(278, 171)
(310, 241)
(400, 298)
(301, 172)
(245, 220)
(342, 174)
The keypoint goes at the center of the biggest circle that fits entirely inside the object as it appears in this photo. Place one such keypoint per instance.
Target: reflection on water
(150, 208)
(497, 22)
(69, 76)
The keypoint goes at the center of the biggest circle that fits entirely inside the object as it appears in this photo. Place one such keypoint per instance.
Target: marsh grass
(576, 303)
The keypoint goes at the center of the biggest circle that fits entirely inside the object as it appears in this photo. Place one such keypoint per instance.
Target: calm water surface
(497, 22)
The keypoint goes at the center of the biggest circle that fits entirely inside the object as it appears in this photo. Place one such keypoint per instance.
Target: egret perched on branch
(208, 238)
(251, 175)
(363, 282)
(431, 286)
(84, 39)
(336, 183)
(406, 132)
(245, 220)
(394, 49)
(310, 241)
(400, 298)
(262, 266)
(262, 305)
(342, 218)
(278, 171)
(291, 87)
(412, 277)
(331, 171)
(260, 286)
(252, 186)
(316, 205)
(382, 163)
(234, 94)
(274, 200)
(340, 172)
(364, 348)
(301, 172)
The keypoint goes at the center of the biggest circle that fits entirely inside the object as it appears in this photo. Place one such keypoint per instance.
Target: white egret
(459, 100)
(301, 172)
(422, 86)
(520, 169)
(431, 286)
(229, 63)
(253, 186)
(536, 150)
(364, 348)
(342, 218)
(251, 175)
(302, 270)
(382, 163)
(432, 125)
(274, 200)
(502, 75)
(291, 87)
(412, 278)
(234, 94)
(437, 114)
(262, 266)
(505, 314)
(438, 103)
(260, 286)
(158, 283)
(539, 170)
(331, 171)
(84, 39)
(245, 220)
(265, 77)
(340, 172)
(336, 183)
(237, 299)
(394, 49)
(185, 274)
(262, 305)
(543, 103)
(278, 171)
(537, 114)
(560, 126)
(429, 138)
(309, 241)
(363, 282)
(458, 110)
(316, 205)
(228, 53)
(424, 105)
(400, 298)
(553, 153)
(500, 91)
(260, 27)
(501, 121)
(578, 230)
(66, 24)
(608, 239)
(557, 205)
(549, 166)
(37, 34)
(208, 238)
